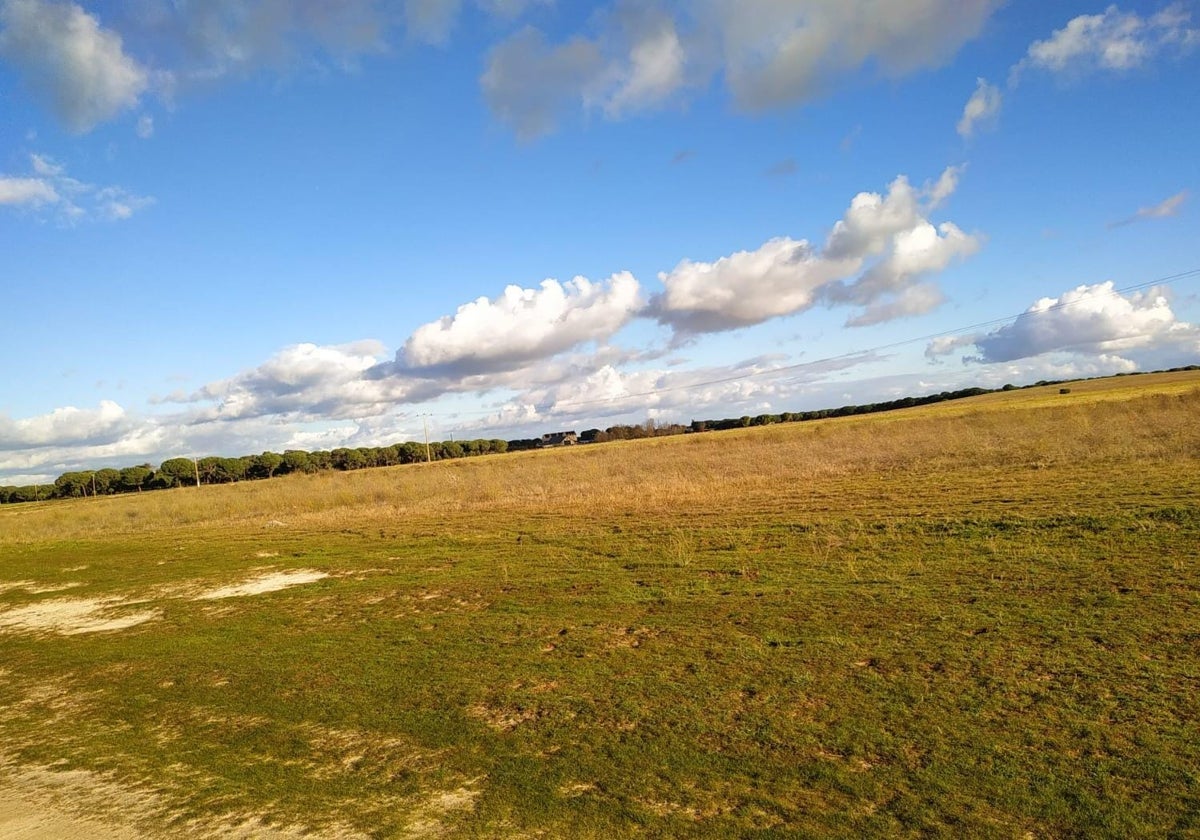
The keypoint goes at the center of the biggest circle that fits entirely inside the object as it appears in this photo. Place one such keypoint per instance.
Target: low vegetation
(976, 618)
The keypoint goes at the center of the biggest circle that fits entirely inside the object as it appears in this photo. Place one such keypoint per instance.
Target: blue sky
(243, 225)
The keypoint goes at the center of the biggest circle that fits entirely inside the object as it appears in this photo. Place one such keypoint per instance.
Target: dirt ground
(27, 814)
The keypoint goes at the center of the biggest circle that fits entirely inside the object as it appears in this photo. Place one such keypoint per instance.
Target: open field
(974, 619)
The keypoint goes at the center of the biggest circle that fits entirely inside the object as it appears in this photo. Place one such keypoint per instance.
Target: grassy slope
(971, 619)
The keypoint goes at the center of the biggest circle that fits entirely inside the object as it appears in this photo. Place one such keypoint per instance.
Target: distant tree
(297, 460)
(175, 472)
(30, 493)
(265, 465)
(210, 470)
(499, 446)
(452, 449)
(320, 460)
(107, 481)
(72, 484)
(133, 478)
(348, 459)
(234, 469)
(411, 452)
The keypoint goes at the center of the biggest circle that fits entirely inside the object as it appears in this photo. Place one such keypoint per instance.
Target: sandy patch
(271, 582)
(40, 803)
(48, 588)
(21, 819)
(429, 818)
(16, 584)
(70, 616)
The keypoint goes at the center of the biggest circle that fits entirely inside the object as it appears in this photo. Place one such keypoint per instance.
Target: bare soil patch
(272, 582)
(73, 616)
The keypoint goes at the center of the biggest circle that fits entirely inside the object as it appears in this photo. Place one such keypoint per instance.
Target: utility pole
(425, 424)
(93, 484)
(196, 464)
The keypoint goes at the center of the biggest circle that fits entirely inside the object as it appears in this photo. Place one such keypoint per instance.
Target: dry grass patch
(267, 582)
(74, 616)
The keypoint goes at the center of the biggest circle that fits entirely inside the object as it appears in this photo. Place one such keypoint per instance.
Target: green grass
(976, 621)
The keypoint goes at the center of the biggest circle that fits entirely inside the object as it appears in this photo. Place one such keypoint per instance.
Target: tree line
(180, 472)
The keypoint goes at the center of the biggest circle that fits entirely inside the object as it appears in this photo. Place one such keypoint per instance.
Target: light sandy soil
(45, 804)
(22, 819)
(71, 616)
(271, 582)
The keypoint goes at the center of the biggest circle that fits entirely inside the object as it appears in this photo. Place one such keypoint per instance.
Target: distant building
(560, 439)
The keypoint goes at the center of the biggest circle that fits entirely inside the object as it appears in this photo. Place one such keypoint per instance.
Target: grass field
(975, 619)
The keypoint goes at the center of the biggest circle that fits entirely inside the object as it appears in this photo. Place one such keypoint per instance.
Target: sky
(231, 226)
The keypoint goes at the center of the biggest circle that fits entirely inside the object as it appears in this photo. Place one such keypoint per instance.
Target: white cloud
(1113, 40)
(527, 83)
(888, 235)
(781, 277)
(1165, 209)
(916, 252)
(636, 62)
(145, 127)
(1088, 320)
(198, 41)
(769, 53)
(522, 325)
(306, 381)
(654, 69)
(981, 109)
(68, 426)
(778, 52)
(72, 200)
(906, 302)
(64, 54)
(33, 191)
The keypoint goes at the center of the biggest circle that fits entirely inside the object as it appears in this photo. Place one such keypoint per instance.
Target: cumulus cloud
(769, 53)
(307, 381)
(981, 109)
(1091, 320)
(778, 52)
(528, 83)
(887, 235)
(781, 277)
(522, 325)
(1113, 40)
(654, 69)
(68, 426)
(65, 55)
(49, 186)
(1165, 209)
(915, 252)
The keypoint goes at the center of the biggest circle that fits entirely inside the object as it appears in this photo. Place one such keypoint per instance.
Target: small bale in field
(1064, 390)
